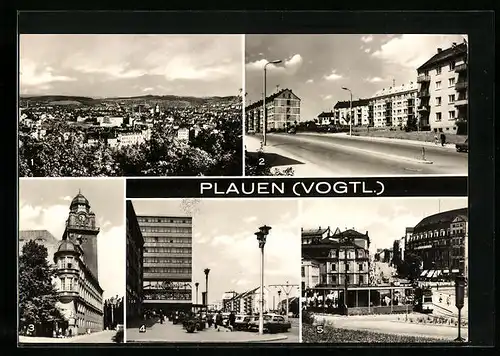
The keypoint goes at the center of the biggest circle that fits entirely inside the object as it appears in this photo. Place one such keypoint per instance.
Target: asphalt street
(343, 155)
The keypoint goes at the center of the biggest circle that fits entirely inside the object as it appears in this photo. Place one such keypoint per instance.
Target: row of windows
(351, 254)
(168, 240)
(167, 260)
(333, 279)
(451, 67)
(174, 229)
(451, 83)
(173, 250)
(168, 296)
(436, 233)
(173, 270)
(163, 220)
(71, 284)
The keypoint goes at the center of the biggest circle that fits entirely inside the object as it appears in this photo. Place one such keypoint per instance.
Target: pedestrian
(436, 139)
(161, 316)
(448, 300)
(70, 332)
(232, 319)
(440, 299)
(443, 138)
(218, 321)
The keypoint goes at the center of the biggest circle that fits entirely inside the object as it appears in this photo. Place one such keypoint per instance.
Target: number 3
(142, 329)
(319, 329)
(31, 327)
(261, 161)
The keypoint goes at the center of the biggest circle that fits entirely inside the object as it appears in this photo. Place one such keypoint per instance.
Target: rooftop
(268, 98)
(355, 103)
(445, 55)
(436, 220)
(396, 89)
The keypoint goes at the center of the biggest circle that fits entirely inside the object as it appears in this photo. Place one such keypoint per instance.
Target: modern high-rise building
(442, 90)
(167, 262)
(394, 106)
(283, 111)
(135, 255)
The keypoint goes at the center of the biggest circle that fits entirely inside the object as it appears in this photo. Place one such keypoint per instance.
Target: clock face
(81, 218)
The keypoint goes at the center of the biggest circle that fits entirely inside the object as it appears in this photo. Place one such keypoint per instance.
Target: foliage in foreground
(337, 335)
(118, 337)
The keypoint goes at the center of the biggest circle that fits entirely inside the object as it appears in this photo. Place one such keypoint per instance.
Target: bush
(307, 317)
(118, 338)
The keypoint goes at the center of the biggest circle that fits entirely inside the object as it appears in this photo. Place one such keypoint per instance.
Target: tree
(413, 263)
(37, 294)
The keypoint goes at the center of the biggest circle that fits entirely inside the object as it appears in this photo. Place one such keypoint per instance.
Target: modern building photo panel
(213, 270)
(353, 104)
(71, 270)
(384, 270)
(112, 105)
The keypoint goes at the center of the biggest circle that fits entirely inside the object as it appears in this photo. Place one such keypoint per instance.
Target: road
(94, 338)
(347, 156)
(167, 332)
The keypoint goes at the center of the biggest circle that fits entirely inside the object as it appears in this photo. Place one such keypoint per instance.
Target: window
(438, 116)
(438, 70)
(361, 279)
(334, 267)
(438, 84)
(451, 115)
(347, 267)
(438, 100)
(303, 271)
(451, 82)
(451, 98)
(451, 66)
(361, 267)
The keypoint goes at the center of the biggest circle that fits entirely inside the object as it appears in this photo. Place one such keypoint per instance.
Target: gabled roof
(326, 114)
(439, 220)
(314, 232)
(270, 98)
(349, 233)
(355, 103)
(444, 55)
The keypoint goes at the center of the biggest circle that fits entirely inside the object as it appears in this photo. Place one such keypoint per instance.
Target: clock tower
(81, 229)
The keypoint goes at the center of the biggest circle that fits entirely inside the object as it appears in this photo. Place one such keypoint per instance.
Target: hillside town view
(90, 111)
(405, 291)
(400, 109)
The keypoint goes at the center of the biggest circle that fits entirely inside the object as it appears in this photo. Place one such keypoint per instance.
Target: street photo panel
(356, 105)
(112, 105)
(386, 270)
(71, 264)
(213, 271)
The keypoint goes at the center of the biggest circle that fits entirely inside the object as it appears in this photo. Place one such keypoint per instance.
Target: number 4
(142, 329)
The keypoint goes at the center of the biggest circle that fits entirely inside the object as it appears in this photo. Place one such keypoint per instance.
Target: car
(292, 131)
(463, 147)
(274, 323)
(241, 322)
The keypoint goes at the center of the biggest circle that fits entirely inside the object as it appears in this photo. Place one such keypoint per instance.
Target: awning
(438, 273)
(424, 272)
(431, 273)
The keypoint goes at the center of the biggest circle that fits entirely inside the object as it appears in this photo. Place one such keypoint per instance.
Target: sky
(131, 65)
(44, 205)
(385, 219)
(316, 67)
(224, 242)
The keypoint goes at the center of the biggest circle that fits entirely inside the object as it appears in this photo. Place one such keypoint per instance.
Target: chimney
(440, 50)
(454, 44)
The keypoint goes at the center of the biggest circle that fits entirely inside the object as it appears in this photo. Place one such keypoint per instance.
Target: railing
(423, 108)
(461, 67)
(423, 93)
(461, 85)
(461, 102)
(423, 78)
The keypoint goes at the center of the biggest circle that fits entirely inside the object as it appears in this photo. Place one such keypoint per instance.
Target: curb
(275, 338)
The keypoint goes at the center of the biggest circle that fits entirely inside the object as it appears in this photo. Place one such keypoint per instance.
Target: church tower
(81, 230)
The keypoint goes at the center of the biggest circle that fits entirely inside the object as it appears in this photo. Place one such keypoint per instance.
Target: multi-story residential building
(167, 262)
(440, 241)
(247, 302)
(310, 272)
(135, 255)
(326, 118)
(442, 91)
(343, 258)
(283, 111)
(360, 112)
(394, 106)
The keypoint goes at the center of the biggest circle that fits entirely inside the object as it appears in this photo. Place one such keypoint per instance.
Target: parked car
(274, 323)
(241, 322)
(253, 322)
(292, 131)
(463, 147)
(250, 132)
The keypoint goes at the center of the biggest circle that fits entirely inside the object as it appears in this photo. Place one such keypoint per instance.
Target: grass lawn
(337, 335)
(425, 136)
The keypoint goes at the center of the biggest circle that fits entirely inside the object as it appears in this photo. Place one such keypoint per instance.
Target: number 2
(262, 161)
(142, 329)
(319, 329)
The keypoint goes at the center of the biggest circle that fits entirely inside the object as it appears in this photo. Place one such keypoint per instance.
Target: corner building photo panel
(113, 105)
(356, 105)
(394, 270)
(213, 270)
(67, 231)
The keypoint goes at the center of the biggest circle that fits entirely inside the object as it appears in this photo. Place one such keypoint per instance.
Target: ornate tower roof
(80, 199)
(67, 246)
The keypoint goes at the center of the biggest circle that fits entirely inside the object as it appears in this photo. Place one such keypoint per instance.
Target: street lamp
(459, 303)
(196, 285)
(261, 238)
(264, 97)
(279, 300)
(207, 271)
(350, 111)
(113, 301)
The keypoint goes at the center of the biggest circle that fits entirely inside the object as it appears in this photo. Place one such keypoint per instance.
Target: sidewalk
(447, 146)
(301, 166)
(97, 337)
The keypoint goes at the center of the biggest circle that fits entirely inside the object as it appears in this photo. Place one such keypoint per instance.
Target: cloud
(38, 218)
(290, 66)
(412, 50)
(67, 198)
(374, 79)
(117, 71)
(309, 81)
(112, 265)
(327, 97)
(367, 39)
(367, 50)
(250, 219)
(333, 76)
(148, 89)
(32, 74)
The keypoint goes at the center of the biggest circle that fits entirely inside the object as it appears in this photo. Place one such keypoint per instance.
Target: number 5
(142, 329)
(319, 329)
(262, 161)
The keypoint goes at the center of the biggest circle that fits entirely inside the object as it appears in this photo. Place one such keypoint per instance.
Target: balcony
(461, 102)
(423, 78)
(461, 68)
(423, 108)
(423, 93)
(461, 85)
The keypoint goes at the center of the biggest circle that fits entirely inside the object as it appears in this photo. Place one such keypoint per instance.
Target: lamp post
(207, 271)
(279, 300)
(196, 285)
(459, 303)
(350, 111)
(264, 113)
(261, 238)
(112, 302)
